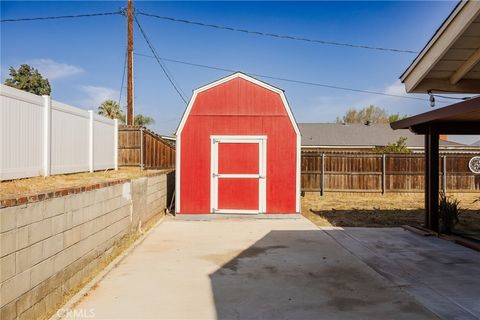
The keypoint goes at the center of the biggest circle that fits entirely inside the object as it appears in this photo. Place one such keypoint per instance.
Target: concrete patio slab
(443, 276)
(246, 269)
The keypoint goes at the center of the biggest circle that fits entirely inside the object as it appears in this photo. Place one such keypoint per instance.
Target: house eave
(417, 77)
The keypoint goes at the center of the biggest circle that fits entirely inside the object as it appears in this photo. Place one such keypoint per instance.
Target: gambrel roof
(231, 77)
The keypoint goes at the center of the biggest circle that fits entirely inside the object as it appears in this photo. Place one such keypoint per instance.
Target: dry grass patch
(35, 185)
(377, 210)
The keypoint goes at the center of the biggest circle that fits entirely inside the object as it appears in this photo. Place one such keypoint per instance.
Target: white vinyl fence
(40, 136)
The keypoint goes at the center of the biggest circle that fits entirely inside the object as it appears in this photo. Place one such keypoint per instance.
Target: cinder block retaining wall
(51, 242)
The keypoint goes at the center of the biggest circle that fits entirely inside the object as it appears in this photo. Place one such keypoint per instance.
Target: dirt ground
(377, 210)
(34, 185)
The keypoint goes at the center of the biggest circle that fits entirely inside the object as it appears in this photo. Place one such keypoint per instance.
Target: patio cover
(460, 118)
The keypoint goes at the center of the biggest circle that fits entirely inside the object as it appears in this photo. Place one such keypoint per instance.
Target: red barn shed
(238, 150)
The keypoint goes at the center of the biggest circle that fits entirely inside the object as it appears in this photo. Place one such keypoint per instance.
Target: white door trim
(239, 175)
(262, 178)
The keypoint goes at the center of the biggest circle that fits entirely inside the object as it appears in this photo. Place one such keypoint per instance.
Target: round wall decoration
(474, 165)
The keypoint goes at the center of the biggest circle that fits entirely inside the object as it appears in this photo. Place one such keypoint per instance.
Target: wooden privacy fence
(383, 173)
(141, 147)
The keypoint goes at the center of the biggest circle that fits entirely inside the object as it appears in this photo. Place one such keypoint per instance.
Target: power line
(275, 35)
(187, 63)
(123, 78)
(175, 81)
(289, 80)
(65, 17)
(260, 33)
(158, 59)
(177, 87)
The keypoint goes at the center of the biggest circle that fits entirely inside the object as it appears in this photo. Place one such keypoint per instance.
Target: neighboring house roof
(359, 135)
(170, 139)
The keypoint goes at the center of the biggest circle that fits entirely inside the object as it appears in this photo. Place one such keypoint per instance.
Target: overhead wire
(221, 27)
(175, 81)
(289, 80)
(155, 55)
(276, 35)
(123, 77)
(177, 87)
(119, 12)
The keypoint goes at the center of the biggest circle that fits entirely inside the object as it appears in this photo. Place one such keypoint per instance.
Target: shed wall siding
(238, 107)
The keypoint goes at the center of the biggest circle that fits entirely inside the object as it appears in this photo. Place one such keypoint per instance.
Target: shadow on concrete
(371, 218)
(306, 275)
(469, 219)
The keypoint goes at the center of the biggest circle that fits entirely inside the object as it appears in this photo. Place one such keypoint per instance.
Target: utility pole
(130, 112)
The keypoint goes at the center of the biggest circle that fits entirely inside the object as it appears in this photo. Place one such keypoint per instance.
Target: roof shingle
(358, 135)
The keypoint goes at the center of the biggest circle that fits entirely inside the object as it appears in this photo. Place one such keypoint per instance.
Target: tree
(396, 117)
(111, 109)
(28, 79)
(398, 147)
(141, 120)
(371, 114)
(138, 120)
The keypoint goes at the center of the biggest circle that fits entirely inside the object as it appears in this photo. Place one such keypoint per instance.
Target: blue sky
(84, 58)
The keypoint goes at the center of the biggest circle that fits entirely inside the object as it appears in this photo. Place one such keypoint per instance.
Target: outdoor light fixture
(431, 99)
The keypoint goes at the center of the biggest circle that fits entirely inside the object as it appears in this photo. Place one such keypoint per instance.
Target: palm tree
(111, 109)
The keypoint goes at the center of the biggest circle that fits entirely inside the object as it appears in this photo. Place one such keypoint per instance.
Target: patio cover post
(459, 118)
(431, 178)
(426, 181)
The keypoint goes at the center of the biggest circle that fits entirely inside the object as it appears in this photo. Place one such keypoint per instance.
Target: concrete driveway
(246, 269)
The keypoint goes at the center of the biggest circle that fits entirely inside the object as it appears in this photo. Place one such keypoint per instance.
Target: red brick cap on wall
(24, 199)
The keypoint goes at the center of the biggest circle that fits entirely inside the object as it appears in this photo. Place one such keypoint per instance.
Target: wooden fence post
(141, 148)
(402, 173)
(47, 130)
(90, 140)
(383, 173)
(115, 144)
(444, 174)
(322, 176)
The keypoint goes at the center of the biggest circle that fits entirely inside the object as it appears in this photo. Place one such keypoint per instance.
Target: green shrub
(449, 209)
(397, 147)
